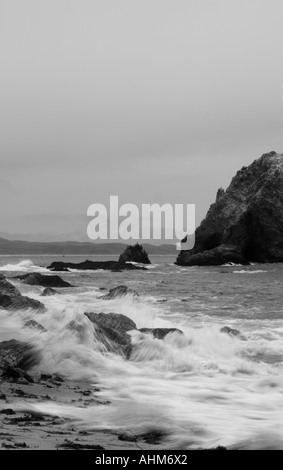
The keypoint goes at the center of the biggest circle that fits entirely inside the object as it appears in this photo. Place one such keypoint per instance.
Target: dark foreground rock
(245, 224)
(111, 330)
(119, 291)
(94, 265)
(37, 279)
(12, 299)
(160, 333)
(17, 356)
(135, 253)
(48, 292)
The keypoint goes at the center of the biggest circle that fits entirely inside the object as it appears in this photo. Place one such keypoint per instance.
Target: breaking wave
(23, 266)
(202, 389)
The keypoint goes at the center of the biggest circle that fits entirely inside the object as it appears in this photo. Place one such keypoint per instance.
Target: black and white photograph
(141, 228)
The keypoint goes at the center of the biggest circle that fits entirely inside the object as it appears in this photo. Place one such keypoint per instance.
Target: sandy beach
(24, 427)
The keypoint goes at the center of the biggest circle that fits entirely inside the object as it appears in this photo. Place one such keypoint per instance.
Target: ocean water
(202, 389)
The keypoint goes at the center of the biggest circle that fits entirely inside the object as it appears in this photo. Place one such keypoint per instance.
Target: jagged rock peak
(135, 253)
(246, 222)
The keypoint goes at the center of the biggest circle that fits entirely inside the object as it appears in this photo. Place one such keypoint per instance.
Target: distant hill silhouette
(18, 247)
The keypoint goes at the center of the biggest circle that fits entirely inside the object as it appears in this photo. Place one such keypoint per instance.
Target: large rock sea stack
(245, 224)
(134, 253)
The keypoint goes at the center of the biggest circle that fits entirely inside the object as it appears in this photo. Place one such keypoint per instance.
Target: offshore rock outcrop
(37, 279)
(48, 292)
(245, 224)
(160, 333)
(134, 253)
(119, 291)
(94, 265)
(12, 299)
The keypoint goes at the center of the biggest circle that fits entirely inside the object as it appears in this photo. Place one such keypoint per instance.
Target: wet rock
(37, 279)
(32, 324)
(111, 330)
(28, 418)
(63, 269)
(12, 299)
(153, 437)
(232, 332)
(48, 292)
(67, 444)
(21, 393)
(94, 265)
(16, 373)
(160, 333)
(215, 257)
(18, 355)
(45, 376)
(134, 253)
(22, 381)
(7, 411)
(57, 378)
(119, 291)
(58, 421)
(245, 224)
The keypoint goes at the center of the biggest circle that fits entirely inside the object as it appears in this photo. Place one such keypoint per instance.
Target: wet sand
(23, 427)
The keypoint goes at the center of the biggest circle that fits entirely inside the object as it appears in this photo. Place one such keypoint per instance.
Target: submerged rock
(160, 333)
(34, 325)
(12, 299)
(37, 279)
(48, 291)
(232, 332)
(94, 265)
(134, 253)
(245, 224)
(111, 330)
(119, 291)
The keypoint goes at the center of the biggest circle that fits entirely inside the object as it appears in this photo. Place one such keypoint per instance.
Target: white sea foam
(202, 388)
(24, 266)
(231, 264)
(246, 271)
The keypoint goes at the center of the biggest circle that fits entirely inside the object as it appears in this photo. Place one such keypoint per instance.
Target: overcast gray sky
(151, 100)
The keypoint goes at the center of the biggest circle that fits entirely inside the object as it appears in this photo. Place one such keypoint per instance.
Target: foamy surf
(198, 389)
(247, 271)
(23, 266)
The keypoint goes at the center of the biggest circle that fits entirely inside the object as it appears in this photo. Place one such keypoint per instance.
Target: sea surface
(203, 389)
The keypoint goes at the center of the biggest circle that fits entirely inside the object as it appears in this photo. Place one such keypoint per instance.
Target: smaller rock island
(134, 253)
